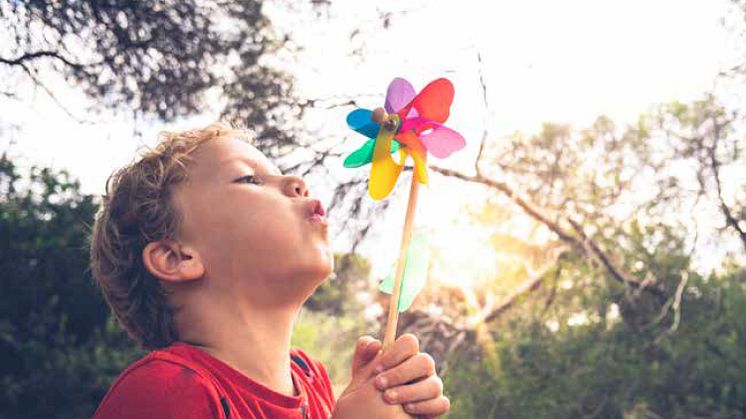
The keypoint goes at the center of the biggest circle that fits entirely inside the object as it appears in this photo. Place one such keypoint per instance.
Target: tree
(707, 137)
(157, 57)
(588, 351)
(588, 187)
(59, 348)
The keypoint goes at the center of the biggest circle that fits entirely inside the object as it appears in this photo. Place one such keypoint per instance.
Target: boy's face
(258, 233)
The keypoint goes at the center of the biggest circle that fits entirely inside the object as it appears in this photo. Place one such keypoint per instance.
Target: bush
(59, 348)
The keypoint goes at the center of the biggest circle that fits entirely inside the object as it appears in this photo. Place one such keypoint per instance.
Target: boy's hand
(406, 375)
(361, 399)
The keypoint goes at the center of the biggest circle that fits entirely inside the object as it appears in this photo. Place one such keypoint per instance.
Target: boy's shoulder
(180, 382)
(163, 383)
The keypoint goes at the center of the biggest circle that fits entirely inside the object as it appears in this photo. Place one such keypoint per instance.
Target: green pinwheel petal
(361, 156)
(415, 272)
(364, 154)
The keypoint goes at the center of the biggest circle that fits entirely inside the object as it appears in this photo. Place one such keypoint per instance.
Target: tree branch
(730, 220)
(585, 244)
(530, 284)
(31, 56)
(51, 94)
(487, 111)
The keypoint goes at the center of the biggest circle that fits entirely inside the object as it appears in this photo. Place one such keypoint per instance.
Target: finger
(405, 347)
(373, 349)
(430, 408)
(427, 389)
(366, 371)
(363, 353)
(414, 368)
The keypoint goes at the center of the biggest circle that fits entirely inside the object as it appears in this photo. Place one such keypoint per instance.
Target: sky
(567, 61)
(541, 60)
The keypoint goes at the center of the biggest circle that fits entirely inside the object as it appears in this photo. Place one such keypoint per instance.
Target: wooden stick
(393, 318)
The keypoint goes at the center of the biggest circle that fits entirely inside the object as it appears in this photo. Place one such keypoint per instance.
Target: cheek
(267, 234)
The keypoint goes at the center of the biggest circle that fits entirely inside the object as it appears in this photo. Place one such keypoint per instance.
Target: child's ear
(171, 261)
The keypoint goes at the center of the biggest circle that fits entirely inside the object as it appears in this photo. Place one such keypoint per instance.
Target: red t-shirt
(184, 382)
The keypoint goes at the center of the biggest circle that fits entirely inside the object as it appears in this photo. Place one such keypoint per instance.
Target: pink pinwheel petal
(398, 95)
(442, 141)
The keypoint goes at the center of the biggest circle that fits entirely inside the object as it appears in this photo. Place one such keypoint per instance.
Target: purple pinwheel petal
(398, 95)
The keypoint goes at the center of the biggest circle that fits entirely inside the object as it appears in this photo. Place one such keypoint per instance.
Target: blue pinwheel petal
(360, 121)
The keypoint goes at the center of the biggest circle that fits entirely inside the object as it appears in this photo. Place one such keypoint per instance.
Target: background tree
(59, 348)
(666, 339)
(156, 58)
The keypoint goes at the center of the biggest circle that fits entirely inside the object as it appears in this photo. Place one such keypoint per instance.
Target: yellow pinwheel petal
(384, 172)
(420, 166)
(412, 145)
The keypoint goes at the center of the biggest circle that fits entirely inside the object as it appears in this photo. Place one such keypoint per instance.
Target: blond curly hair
(138, 209)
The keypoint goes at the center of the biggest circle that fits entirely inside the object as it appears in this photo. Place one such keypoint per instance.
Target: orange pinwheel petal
(433, 102)
(413, 146)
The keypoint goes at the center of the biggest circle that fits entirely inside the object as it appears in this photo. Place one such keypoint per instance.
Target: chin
(316, 267)
(325, 265)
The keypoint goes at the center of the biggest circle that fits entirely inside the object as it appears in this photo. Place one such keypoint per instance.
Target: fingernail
(381, 381)
(391, 395)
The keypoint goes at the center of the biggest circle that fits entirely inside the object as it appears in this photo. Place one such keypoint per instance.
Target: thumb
(366, 350)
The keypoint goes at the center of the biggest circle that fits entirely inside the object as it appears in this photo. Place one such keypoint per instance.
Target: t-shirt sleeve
(160, 389)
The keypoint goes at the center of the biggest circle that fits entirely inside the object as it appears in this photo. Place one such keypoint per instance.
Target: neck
(255, 342)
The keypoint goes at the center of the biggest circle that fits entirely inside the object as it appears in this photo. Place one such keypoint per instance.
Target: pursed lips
(316, 211)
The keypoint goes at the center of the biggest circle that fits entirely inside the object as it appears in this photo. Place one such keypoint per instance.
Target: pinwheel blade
(415, 273)
(398, 95)
(360, 121)
(442, 141)
(364, 154)
(433, 102)
(384, 172)
(414, 148)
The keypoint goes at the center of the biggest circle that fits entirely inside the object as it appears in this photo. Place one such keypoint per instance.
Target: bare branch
(32, 56)
(51, 94)
(486, 109)
(584, 244)
(675, 304)
(730, 220)
(530, 284)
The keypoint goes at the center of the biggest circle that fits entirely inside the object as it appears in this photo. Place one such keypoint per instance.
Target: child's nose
(295, 187)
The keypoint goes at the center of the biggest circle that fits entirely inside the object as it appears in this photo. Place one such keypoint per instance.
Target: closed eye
(248, 179)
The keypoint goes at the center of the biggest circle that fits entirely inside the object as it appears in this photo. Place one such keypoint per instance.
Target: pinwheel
(415, 122)
(409, 125)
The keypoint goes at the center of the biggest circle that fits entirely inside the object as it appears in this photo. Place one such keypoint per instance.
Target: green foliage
(338, 295)
(331, 340)
(333, 318)
(583, 343)
(59, 351)
(611, 369)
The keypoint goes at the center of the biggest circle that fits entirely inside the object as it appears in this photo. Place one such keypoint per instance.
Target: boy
(205, 253)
